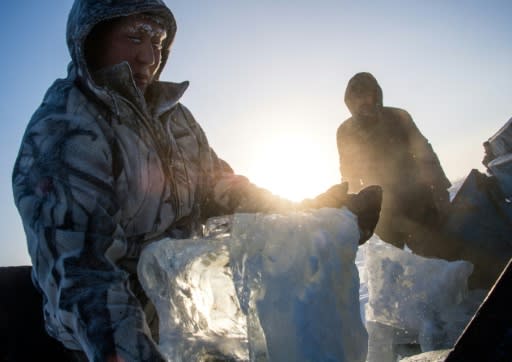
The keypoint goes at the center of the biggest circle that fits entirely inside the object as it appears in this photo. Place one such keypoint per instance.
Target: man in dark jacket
(382, 146)
(112, 161)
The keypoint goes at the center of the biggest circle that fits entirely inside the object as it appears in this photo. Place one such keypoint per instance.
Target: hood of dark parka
(362, 83)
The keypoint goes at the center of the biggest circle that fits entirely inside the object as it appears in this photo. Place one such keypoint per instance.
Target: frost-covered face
(135, 39)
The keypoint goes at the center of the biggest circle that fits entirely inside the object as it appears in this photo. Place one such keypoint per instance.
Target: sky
(267, 80)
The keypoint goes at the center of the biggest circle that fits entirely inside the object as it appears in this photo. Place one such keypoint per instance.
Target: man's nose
(146, 54)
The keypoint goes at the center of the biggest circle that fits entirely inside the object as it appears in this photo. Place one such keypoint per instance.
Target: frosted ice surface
(428, 298)
(297, 275)
(260, 288)
(190, 283)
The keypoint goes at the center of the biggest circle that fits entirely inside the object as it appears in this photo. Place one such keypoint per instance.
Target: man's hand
(366, 206)
(335, 197)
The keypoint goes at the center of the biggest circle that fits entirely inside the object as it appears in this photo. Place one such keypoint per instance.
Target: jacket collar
(160, 96)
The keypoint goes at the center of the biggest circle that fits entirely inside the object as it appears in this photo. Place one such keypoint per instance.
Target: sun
(294, 167)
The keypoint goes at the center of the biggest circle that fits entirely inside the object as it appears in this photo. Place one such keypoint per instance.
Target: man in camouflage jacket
(110, 162)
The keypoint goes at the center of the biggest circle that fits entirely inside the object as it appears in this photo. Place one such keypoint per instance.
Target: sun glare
(293, 167)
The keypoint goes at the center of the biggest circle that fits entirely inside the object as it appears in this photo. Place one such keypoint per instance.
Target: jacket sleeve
(427, 162)
(428, 169)
(63, 188)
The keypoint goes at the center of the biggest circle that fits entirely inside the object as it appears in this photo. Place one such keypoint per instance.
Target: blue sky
(268, 78)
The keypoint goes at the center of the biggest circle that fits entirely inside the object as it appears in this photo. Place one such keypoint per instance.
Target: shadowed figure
(382, 146)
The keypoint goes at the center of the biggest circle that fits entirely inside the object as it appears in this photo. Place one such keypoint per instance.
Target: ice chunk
(422, 297)
(363, 285)
(300, 281)
(501, 168)
(190, 283)
(260, 288)
(501, 142)
(433, 356)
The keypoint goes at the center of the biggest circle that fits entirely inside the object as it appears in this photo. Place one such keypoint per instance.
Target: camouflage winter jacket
(103, 170)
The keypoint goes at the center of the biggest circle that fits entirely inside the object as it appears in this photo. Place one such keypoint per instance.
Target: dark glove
(366, 206)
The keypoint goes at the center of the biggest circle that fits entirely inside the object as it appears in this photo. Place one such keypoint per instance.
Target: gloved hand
(366, 206)
(334, 197)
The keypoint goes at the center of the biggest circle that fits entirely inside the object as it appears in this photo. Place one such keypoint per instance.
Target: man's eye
(135, 39)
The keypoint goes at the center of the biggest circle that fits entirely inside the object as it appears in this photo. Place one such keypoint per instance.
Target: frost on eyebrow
(141, 26)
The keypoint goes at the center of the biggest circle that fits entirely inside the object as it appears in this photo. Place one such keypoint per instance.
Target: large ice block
(260, 288)
(426, 298)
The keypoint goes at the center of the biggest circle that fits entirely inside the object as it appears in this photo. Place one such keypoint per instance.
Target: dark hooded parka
(382, 146)
(104, 169)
